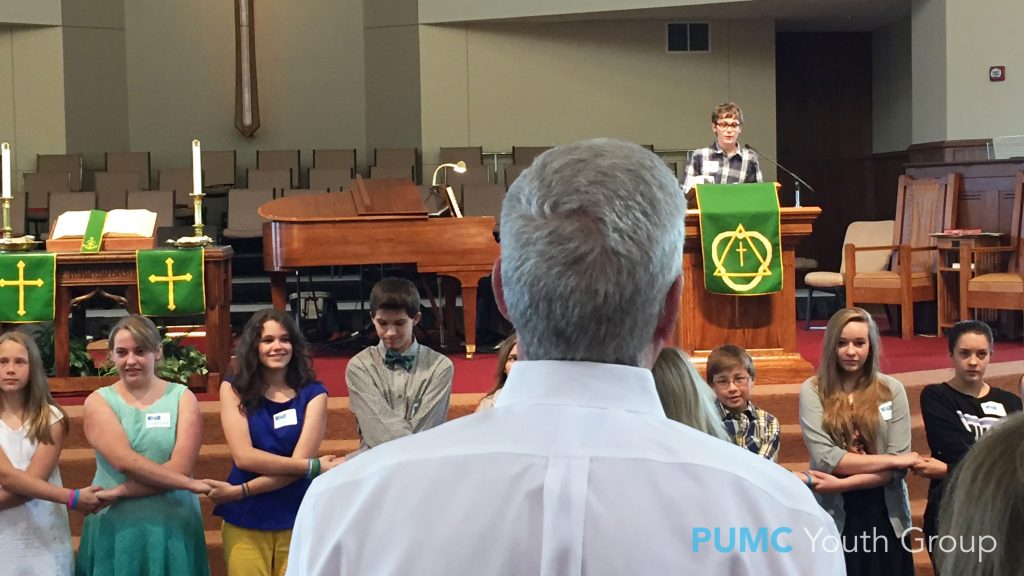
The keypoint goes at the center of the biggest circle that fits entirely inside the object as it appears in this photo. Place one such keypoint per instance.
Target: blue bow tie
(393, 359)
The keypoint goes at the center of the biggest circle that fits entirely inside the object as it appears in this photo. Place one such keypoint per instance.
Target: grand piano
(375, 222)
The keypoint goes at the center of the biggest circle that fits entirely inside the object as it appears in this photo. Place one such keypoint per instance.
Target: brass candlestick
(7, 219)
(8, 244)
(197, 200)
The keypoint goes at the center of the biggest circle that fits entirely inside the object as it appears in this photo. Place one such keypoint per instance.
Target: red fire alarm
(997, 73)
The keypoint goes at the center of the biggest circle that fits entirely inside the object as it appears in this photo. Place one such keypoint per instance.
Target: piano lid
(377, 199)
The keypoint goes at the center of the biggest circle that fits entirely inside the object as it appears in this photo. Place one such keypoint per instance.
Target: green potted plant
(180, 363)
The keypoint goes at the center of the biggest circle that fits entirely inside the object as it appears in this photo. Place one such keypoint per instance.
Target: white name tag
(711, 166)
(886, 411)
(286, 418)
(993, 409)
(158, 420)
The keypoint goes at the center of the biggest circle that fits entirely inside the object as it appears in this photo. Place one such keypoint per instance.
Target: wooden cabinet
(952, 277)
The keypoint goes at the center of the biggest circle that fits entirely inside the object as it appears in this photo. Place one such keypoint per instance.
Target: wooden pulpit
(765, 325)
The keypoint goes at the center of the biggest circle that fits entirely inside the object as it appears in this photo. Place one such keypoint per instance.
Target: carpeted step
(793, 449)
(341, 423)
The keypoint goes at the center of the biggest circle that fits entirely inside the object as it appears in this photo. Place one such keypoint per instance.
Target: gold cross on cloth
(21, 283)
(170, 279)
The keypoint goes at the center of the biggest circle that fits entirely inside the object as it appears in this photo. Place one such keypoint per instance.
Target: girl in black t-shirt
(959, 412)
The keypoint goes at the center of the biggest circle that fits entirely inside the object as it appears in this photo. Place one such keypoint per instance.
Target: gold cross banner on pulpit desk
(765, 324)
(85, 272)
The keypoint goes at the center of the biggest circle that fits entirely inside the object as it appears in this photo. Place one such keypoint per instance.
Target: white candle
(197, 180)
(6, 150)
(197, 168)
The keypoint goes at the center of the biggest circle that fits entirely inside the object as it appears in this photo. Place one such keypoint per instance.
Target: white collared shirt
(576, 470)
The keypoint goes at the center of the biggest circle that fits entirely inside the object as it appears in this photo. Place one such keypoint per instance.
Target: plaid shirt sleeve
(770, 435)
(754, 169)
(693, 168)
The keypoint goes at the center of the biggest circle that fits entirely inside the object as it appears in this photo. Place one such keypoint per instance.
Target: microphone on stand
(796, 178)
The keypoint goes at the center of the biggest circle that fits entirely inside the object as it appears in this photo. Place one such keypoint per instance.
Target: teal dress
(151, 536)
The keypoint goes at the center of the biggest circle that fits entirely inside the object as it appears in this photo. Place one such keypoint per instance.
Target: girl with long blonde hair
(34, 533)
(856, 425)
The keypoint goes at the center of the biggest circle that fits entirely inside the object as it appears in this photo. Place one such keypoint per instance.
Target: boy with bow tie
(398, 387)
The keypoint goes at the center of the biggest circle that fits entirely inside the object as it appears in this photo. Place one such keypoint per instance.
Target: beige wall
(392, 88)
(95, 80)
(928, 58)
(499, 85)
(181, 78)
(31, 95)
(982, 34)
(891, 88)
(442, 11)
(36, 12)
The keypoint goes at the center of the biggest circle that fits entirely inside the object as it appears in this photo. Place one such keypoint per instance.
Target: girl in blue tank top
(274, 414)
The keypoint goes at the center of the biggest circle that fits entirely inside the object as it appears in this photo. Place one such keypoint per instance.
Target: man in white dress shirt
(576, 470)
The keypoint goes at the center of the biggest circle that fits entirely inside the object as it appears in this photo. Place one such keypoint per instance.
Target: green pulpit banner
(27, 287)
(93, 237)
(739, 233)
(170, 282)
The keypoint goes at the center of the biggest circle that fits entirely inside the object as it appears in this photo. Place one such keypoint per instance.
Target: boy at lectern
(398, 387)
(726, 161)
(731, 376)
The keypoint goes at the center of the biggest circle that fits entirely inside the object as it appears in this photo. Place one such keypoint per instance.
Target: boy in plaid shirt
(731, 376)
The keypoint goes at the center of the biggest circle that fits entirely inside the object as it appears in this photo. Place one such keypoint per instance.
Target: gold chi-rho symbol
(170, 279)
(742, 241)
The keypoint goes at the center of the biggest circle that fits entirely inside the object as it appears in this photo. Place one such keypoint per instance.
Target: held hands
(223, 492)
(905, 461)
(90, 500)
(930, 468)
(200, 487)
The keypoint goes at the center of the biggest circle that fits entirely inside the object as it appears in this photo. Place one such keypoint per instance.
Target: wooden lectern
(764, 325)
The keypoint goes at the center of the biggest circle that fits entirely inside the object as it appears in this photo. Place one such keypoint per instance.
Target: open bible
(122, 230)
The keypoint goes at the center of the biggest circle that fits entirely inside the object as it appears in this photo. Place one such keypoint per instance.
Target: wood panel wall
(824, 107)
(986, 200)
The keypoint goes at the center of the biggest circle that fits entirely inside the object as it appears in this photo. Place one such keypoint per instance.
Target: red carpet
(918, 353)
(477, 375)
(898, 355)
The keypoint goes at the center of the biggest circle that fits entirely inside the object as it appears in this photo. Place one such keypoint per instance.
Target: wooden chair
(339, 159)
(112, 188)
(280, 160)
(130, 162)
(18, 215)
(276, 180)
(512, 171)
(179, 182)
(329, 179)
(923, 207)
(394, 157)
(477, 172)
(994, 279)
(244, 220)
(395, 163)
(857, 234)
(407, 172)
(482, 199)
(60, 163)
(38, 188)
(62, 202)
(218, 168)
(159, 201)
(524, 155)
(471, 155)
